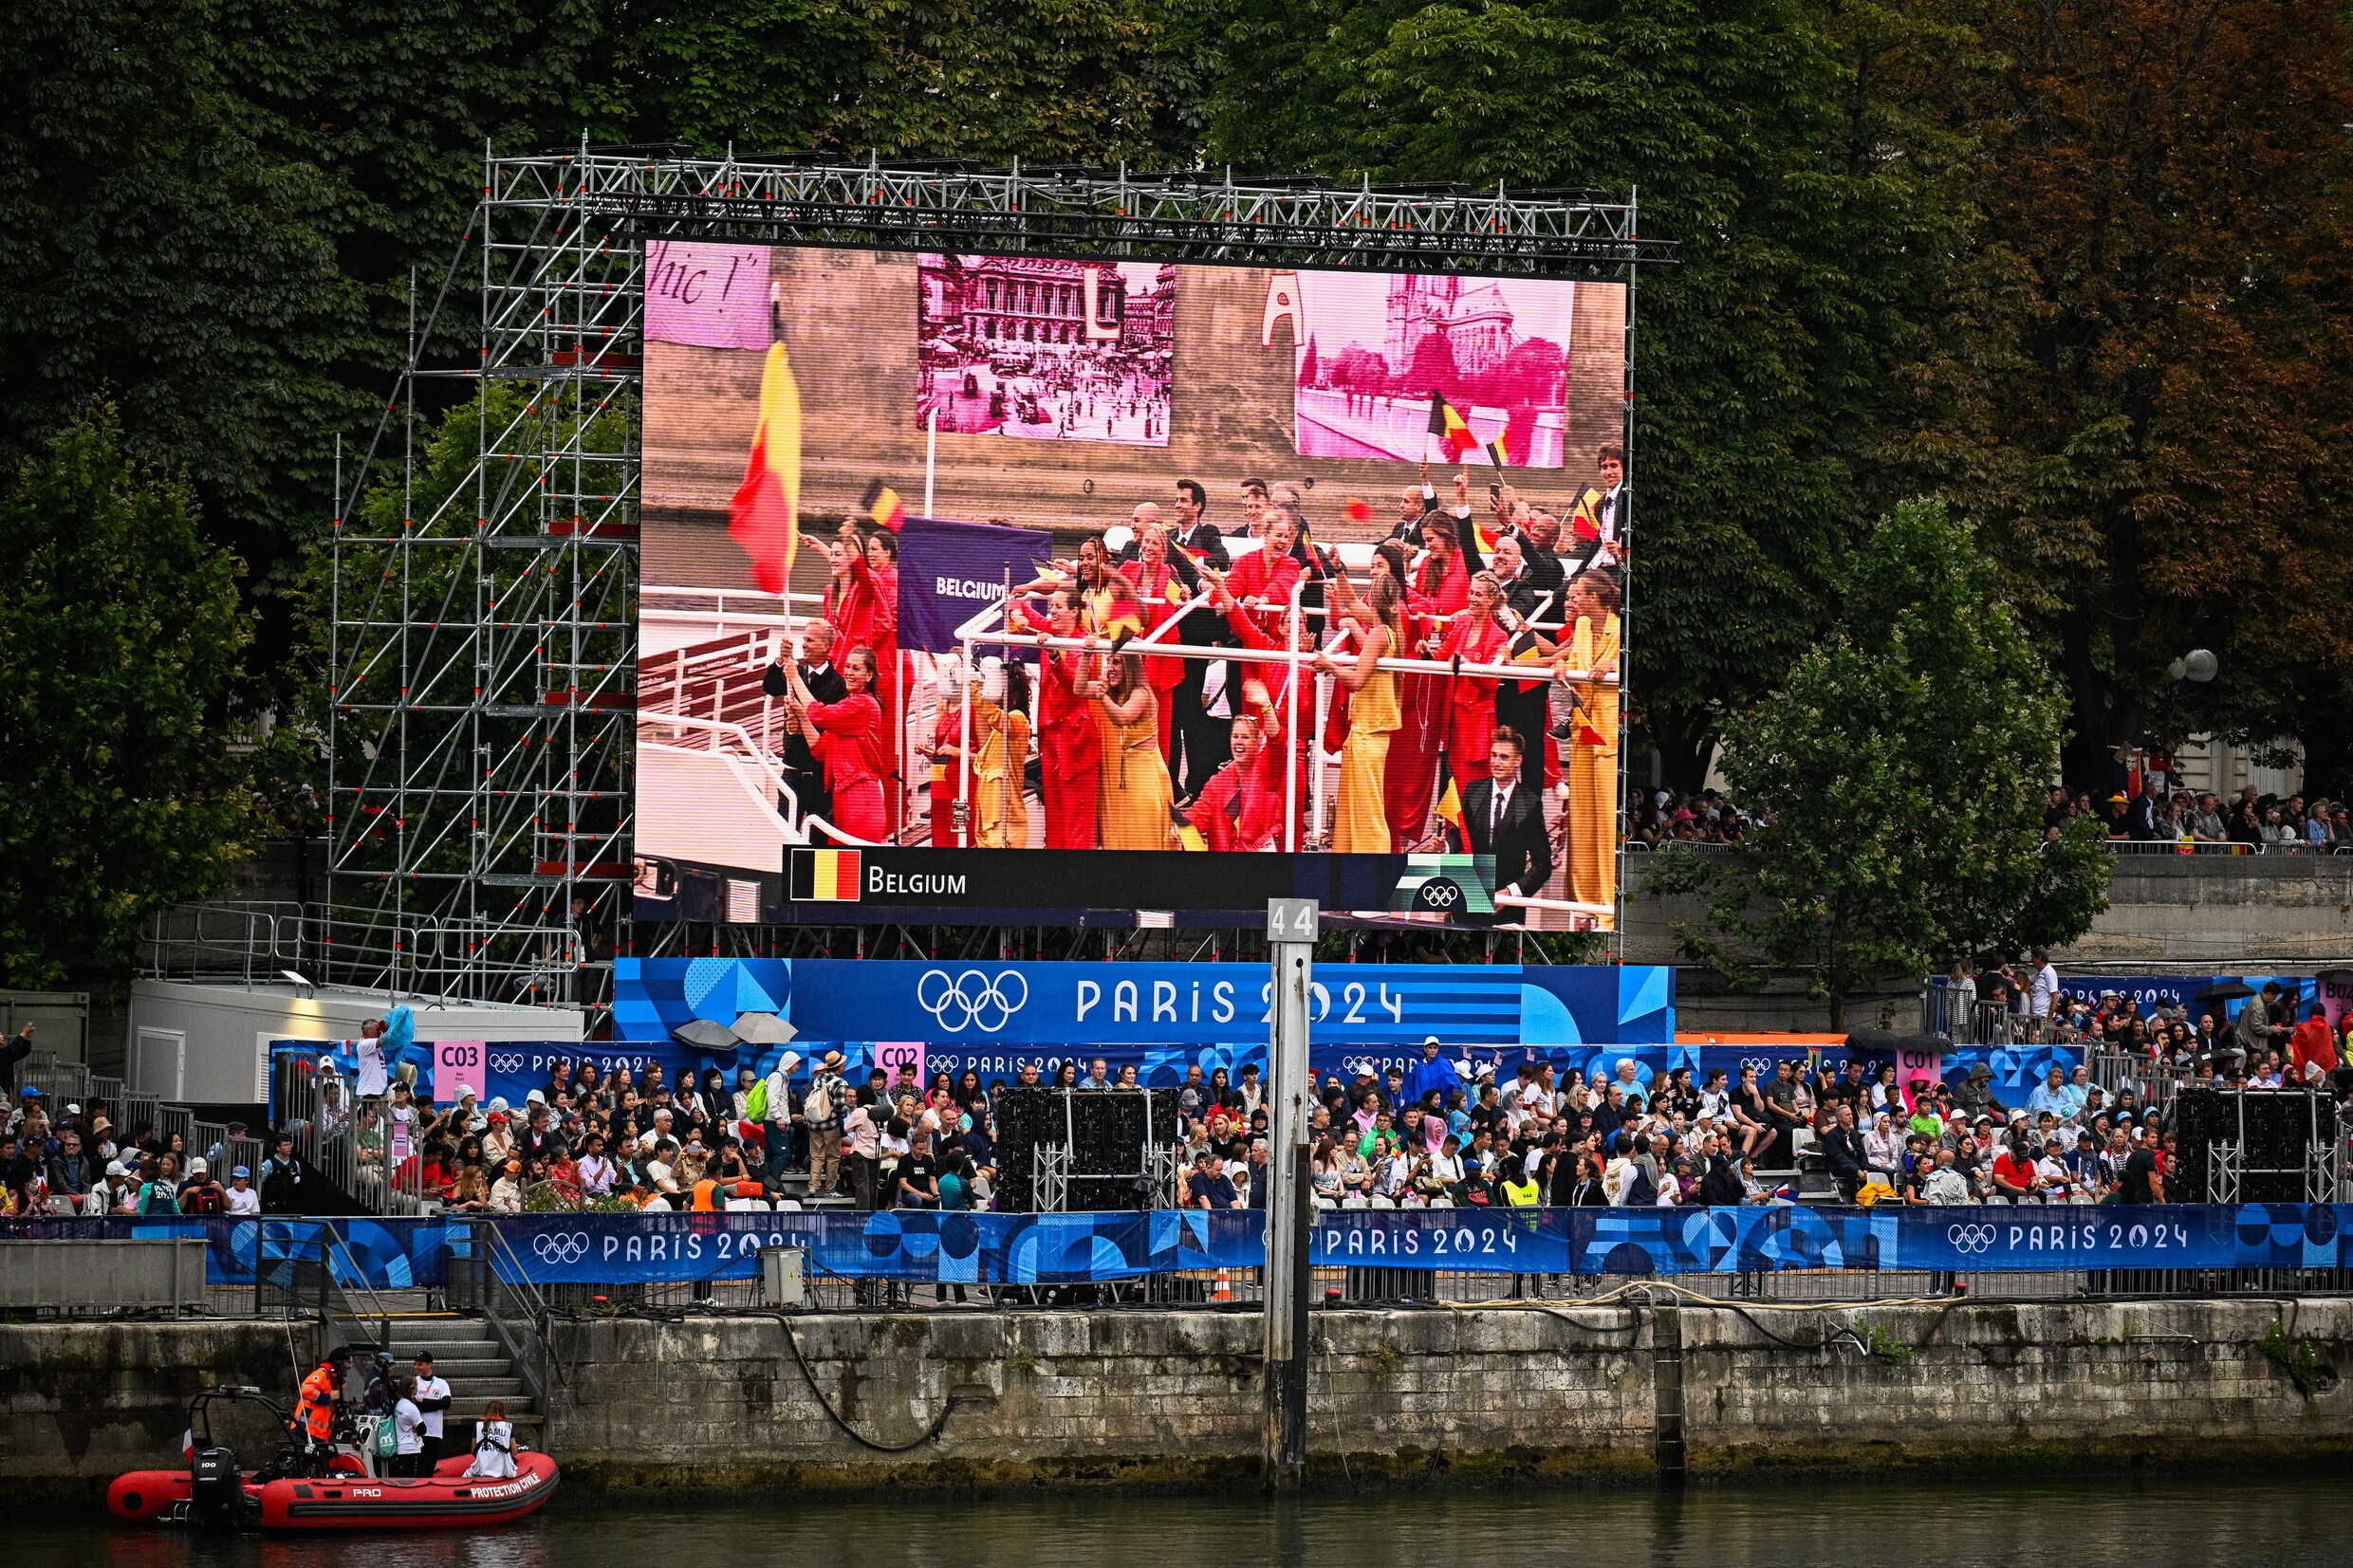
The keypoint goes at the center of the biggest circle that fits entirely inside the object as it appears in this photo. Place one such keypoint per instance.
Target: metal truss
(483, 622)
(1192, 216)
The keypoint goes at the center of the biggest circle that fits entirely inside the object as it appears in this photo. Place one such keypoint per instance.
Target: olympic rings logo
(1762, 1064)
(1970, 1238)
(972, 1000)
(561, 1246)
(506, 1062)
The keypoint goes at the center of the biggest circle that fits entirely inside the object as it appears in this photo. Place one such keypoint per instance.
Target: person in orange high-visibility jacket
(314, 1413)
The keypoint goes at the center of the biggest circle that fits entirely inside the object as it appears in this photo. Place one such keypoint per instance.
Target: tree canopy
(1901, 768)
(119, 632)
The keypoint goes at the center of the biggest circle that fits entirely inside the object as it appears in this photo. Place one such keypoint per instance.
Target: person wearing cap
(200, 1193)
(506, 1192)
(241, 1200)
(1430, 1073)
(822, 1111)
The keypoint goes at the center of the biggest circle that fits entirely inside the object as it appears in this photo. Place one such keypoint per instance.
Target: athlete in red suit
(1156, 580)
(1241, 806)
(1069, 743)
(1475, 639)
(1266, 693)
(861, 601)
(851, 744)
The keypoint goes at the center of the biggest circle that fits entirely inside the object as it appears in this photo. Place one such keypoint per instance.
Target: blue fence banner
(924, 1245)
(963, 1004)
(950, 572)
(514, 1068)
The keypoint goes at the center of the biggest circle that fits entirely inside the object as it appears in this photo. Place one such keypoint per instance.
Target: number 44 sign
(460, 1064)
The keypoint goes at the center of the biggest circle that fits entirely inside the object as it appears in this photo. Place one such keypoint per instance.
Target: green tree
(1901, 769)
(1785, 146)
(119, 636)
(1044, 80)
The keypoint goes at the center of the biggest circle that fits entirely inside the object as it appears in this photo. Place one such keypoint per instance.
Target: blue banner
(514, 1068)
(925, 1246)
(950, 572)
(962, 1005)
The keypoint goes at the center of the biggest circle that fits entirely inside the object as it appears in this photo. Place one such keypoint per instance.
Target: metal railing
(351, 1143)
(502, 1289)
(1975, 1022)
(264, 944)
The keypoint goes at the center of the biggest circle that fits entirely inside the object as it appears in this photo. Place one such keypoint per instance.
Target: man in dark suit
(1198, 738)
(1841, 1147)
(1505, 817)
(802, 768)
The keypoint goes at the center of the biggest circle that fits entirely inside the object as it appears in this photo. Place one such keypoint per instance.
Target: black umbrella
(2336, 977)
(2228, 990)
(706, 1036)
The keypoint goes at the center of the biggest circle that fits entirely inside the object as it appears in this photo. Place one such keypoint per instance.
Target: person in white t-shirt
(2044, 988)
(242, 1198)
(368, 1050)
(432, 1399)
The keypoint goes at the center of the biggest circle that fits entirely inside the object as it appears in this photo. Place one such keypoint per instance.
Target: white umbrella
(765, 1030)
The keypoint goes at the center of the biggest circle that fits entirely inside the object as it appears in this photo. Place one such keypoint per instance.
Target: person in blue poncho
(1430, 1073)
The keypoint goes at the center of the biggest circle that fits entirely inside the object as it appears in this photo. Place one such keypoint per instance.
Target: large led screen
(1036, 589)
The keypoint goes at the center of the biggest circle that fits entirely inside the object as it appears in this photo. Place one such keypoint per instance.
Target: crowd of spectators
(1664, 815)
(1446, 1133)
(2251, 821)
(65, 1162)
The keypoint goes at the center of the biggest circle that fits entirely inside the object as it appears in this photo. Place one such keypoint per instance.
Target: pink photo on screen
(1374, 347)
(1046, 349)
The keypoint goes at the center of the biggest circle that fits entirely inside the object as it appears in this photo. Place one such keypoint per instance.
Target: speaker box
(2277, 1128)
(1106, 1131)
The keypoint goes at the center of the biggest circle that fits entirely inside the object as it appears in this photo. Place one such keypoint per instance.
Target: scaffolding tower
(483, 622)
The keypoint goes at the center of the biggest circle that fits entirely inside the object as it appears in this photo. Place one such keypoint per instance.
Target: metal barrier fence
(1966, 1020)
(352, 1143)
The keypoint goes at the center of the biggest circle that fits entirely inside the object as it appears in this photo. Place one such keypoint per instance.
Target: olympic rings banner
(923, 1245)
(967, 1004)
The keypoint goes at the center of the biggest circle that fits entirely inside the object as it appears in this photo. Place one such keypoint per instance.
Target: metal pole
(1291, 941)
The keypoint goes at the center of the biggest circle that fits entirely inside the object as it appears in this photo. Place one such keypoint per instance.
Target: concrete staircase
(467, 1352)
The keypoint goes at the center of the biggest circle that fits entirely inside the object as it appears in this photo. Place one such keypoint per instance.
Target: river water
(2156, 1523)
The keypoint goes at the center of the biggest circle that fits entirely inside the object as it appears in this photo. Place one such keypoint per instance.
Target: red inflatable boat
(212, 1493)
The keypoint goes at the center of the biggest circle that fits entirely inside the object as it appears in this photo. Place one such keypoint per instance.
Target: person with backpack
(769, 1106)
(822, 1111)
(202, 1194)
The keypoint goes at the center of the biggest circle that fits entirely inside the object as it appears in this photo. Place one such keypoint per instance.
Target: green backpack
(755, 1104)
(387, 1438)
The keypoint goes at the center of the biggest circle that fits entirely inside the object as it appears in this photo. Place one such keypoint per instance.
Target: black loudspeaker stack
(1106, 1131)
(2278, 1129)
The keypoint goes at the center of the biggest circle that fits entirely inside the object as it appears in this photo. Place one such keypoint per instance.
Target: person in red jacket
(861, 601)
(1476, 637)
(1241, 807)
(2311, 1050)
(852, 745)
(1161, 585)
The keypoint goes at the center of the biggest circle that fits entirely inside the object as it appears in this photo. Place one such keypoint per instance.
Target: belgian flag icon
(823, 877)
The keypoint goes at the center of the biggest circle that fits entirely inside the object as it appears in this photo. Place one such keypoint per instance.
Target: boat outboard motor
(215, 1491)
